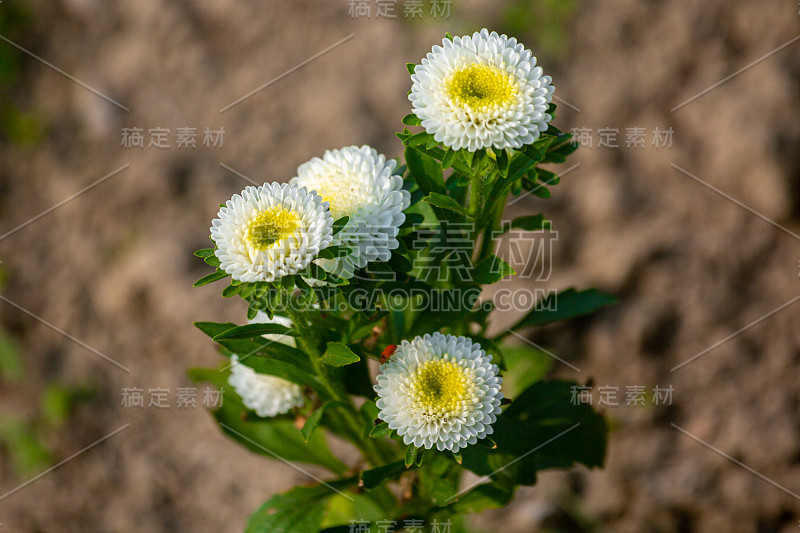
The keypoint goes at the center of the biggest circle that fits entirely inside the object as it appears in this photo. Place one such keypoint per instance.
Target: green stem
(489, 232)
(476, 195)
(307, 340)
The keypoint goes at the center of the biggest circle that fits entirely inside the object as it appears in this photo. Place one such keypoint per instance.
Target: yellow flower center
(441, 385)
(270, 226)
(478, 86)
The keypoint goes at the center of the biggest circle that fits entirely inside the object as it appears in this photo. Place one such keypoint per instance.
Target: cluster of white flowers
(276, 230)
(473, 92)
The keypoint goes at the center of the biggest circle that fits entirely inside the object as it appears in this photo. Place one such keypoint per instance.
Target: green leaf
(334, 252)
(273, 438)
(440, 490)
(526, 365)
(283, 369)
(372, 478)
(301, 510)
(316, 417)
(502, 163)
(252, 331)
(204, 252)
(491, 270)
(337, 354)
(482, 497)
(411, 456)
(529, 223)
(547, 177)
(381, 430)
(231, 290)
(425, 170)
(449, 157)
(412, 120)
(410, 67)
(23, 446)
(519, 166)
(287, 283)
(418, 139)
(339, 224)
(565, 305)
(213, 261)
(468, 157)
(535, 188)
(444, 202)
(11, 368)
(213, 329)
(546, 412)
(400, 263)
(543, 428)
(211, 278)
(315, 271)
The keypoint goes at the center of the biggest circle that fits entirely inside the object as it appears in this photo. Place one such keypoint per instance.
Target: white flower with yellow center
(481, 91)
(439, 390)
(358, 183)
(270, 231)
(266, 395)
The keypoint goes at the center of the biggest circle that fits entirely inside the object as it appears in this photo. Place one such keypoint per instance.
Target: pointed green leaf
(211, 278)
(372, 478)
(564, 305)
(337, 354)
(381, 430)
(334, 252)
(231, 290)
(529, 223)
(482, 497)
(301, 510)
(491, 270)
(425, 170)
(449, 157)
(339, 224)
(412, 120)
(444, 202)
(411, 456)
(272, 438)
(316, 417)
(502, 163)
(252, 331)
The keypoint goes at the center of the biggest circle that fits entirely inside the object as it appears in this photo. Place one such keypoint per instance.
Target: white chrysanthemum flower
(439, 390)
(263, 318)
(270, 231)
(266, 395)
(481, 91)
(358, 183)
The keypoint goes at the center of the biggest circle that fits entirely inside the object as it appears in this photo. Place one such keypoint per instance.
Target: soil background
(113, 267)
